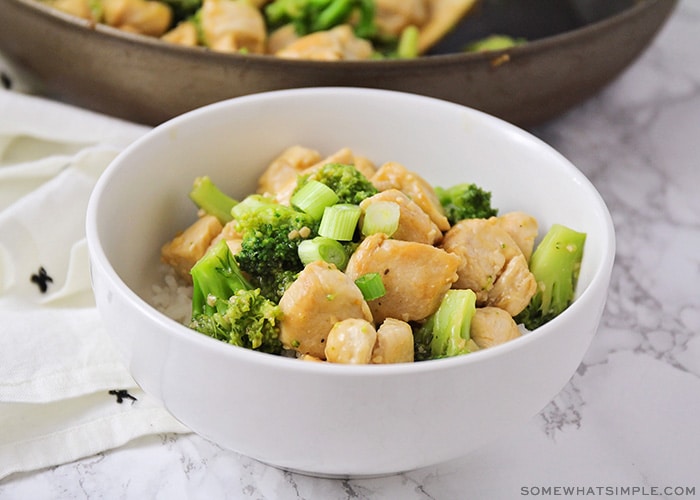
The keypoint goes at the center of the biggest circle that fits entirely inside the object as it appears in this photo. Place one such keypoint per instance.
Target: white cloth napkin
(64, 393)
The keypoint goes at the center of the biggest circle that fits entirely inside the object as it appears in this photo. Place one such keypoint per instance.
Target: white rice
(172, 296)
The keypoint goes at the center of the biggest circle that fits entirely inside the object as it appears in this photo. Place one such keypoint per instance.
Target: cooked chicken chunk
(285, 168)
(145, 17)
(415, 276)
(414, 223)
(183, 251)
(185, 33)
(319, 298)
(351, 341)
(336, 44)
(343, 155)
(394, 343)
(514, 287)
(393, 175)
(392, 16)
(233, 25)
(488, 254)
(233, 238)
(522, 228)
(78, 8)
(491, 326)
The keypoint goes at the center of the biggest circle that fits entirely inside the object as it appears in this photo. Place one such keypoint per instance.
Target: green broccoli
(225, 305)
(269, 249)
(465, 201)
(183, 9)
(207, 196)
(445, 333)
(348, 183)
(555, 263)
(309, 16)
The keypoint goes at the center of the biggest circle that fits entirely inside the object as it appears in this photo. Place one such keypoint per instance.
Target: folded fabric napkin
(64, 392)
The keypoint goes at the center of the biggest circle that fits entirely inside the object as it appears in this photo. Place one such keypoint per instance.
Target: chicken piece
(514, 287)
(486, 251)
(415, 276)
(319, 298)
(281, 38)
(78, 8)
(336, 44)
(491, 326)
(394, 343)
(233, 238)
(232, 26)
(414, 223)
(285, 168)
(522, 228)
(185, 33)
(351, 341)
(365, 166)
(343, 155)
(145, 17)
(392, 16)
(393, 175)
(444, 15)
(183, 251)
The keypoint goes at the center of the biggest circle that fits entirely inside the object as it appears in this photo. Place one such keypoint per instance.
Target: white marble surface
(628, 423)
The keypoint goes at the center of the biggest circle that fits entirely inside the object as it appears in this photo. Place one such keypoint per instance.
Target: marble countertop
(628, 423)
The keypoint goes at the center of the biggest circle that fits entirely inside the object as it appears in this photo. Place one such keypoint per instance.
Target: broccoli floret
(215, 276)
(555, 263)
(445, 333)
(208, 197)
(309, 16)
(465, 201)
(348, 183)
(269, 248)
(225, 305)
(246, 319)
(182, 9)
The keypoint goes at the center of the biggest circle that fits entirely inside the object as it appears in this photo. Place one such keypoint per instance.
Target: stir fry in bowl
(341, 260)
(297, 29)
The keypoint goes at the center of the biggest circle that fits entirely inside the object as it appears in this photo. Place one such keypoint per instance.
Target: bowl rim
(599, 278)
(545, 43)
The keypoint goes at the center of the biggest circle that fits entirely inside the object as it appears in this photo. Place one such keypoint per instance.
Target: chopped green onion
(371, 286)
(339, 221)
(381, 217)
(313, 197)
(408, 43)
(325, 249)
(207, 196)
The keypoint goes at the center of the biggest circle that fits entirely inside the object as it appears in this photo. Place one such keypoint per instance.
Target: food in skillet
(337, 259)
(326, 30)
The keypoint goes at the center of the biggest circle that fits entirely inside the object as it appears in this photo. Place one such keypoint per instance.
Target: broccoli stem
(313, 197)
(555, 263)
(215, 277)
(339, 221)
(381, 217)
(207, 196)
(325, 249)
(451, 324)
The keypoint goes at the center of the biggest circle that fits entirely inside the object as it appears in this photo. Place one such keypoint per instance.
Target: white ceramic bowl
(317, 418)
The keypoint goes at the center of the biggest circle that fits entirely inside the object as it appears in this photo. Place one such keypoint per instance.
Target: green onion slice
(313, 197)
(325, 249)
(339, 221)
(381, 217)
(371, 286)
